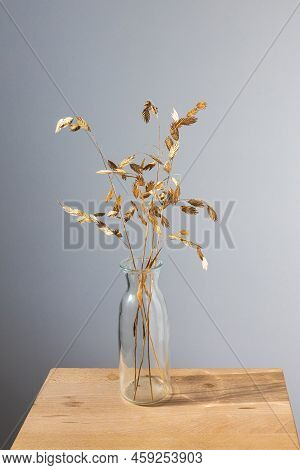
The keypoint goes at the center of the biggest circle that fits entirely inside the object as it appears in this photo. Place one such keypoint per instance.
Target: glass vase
(143, 337)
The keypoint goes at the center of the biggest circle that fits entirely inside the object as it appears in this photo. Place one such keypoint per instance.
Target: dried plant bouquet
(143, 354)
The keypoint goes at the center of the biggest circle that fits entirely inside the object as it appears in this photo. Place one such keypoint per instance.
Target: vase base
(147, 395)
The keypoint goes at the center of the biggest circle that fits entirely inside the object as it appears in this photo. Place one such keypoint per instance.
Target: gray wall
(107, 57)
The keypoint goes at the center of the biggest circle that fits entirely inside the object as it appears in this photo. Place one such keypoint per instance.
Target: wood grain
(209, 409)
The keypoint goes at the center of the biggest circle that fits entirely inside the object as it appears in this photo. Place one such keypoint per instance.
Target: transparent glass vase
(143, 337)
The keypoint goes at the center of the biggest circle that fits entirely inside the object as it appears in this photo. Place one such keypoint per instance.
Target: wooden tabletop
(209, 409)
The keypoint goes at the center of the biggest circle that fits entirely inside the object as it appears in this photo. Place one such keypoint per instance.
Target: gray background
(107, 57)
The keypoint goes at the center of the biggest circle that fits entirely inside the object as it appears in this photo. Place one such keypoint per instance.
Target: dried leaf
(196, 202)
(83, 124)
(93, 217)
(129, 214)
(173, 150)
(202, 257)
(175, 115)
(186, 242)
(164, 221)
(86, 218)
(90, 218)
(193, 111)
(74, 127)
(126, 161)
(146, 114)
(110, 195)
(149, 107)
(204, 263)
(118, 203)
(64, 122)
(112, 165)
(162, 196)
(177, 236)
(135, 190)
(186, 121)
(149, 166)
(117, 233)
(200, 254)
(176, 194)
(212, 213)
(109, 172)
(155, 210)
(201, 105)
(112, 213)
(189, 210)
(174, 131)
(167, 166)
(159, 185)
(150, 185)
(140, 180)
(107, 230)
(153, 108)
(104, 172)
(189, 243)
(174, 236)
(170, 195)
(72, 210)
(136, 168)
(168, 142)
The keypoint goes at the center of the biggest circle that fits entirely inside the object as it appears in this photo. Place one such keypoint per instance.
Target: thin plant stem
(139, 373)
(136, 321)
(142, 355)
(148, 334)
(149, 295)
(145, 246)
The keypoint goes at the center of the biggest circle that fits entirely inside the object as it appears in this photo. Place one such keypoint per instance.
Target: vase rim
(127, 266)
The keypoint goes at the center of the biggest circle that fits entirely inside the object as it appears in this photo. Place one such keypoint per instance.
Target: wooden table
(209, 409)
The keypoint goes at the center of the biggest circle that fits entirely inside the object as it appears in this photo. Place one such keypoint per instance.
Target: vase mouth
(127, 265)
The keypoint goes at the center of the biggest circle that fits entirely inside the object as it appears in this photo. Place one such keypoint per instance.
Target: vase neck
(146, 277)
(141, 273)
